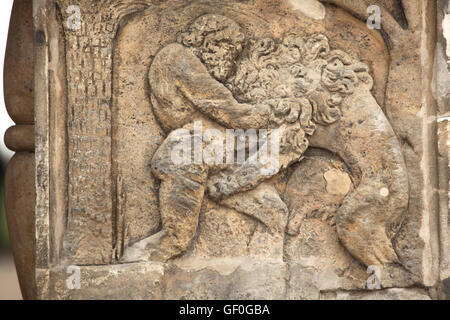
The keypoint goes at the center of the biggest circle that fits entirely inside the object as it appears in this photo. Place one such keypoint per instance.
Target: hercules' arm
(211, 97)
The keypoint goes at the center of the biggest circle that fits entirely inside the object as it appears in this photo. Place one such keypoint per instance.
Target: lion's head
(305, 69)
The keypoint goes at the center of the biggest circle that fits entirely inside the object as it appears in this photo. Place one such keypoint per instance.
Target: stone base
(208, 279)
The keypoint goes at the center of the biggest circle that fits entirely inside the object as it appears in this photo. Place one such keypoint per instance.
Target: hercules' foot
(143, 249)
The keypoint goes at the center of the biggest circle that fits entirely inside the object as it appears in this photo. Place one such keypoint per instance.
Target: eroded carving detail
(89, 237)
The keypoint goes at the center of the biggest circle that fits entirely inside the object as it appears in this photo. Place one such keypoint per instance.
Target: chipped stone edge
(442, 92)
(310, 8)
(430, 224)
(41, 100)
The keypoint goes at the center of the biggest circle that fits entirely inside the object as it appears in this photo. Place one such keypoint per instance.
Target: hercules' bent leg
(180, 203)
(180, 199)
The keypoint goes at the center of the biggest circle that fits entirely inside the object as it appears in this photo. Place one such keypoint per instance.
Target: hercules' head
(217, 41)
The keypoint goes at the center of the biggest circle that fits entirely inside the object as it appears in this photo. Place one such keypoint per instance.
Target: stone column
(20, 187)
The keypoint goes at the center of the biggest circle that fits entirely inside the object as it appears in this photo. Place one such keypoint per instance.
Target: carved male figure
(185, 79)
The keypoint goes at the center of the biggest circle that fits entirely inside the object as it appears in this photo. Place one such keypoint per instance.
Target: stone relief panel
(147, 79)
(269, 70)
(296, 84)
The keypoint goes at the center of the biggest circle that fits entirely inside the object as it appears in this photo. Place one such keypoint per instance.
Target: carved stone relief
(292, 83)
(339, 110)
